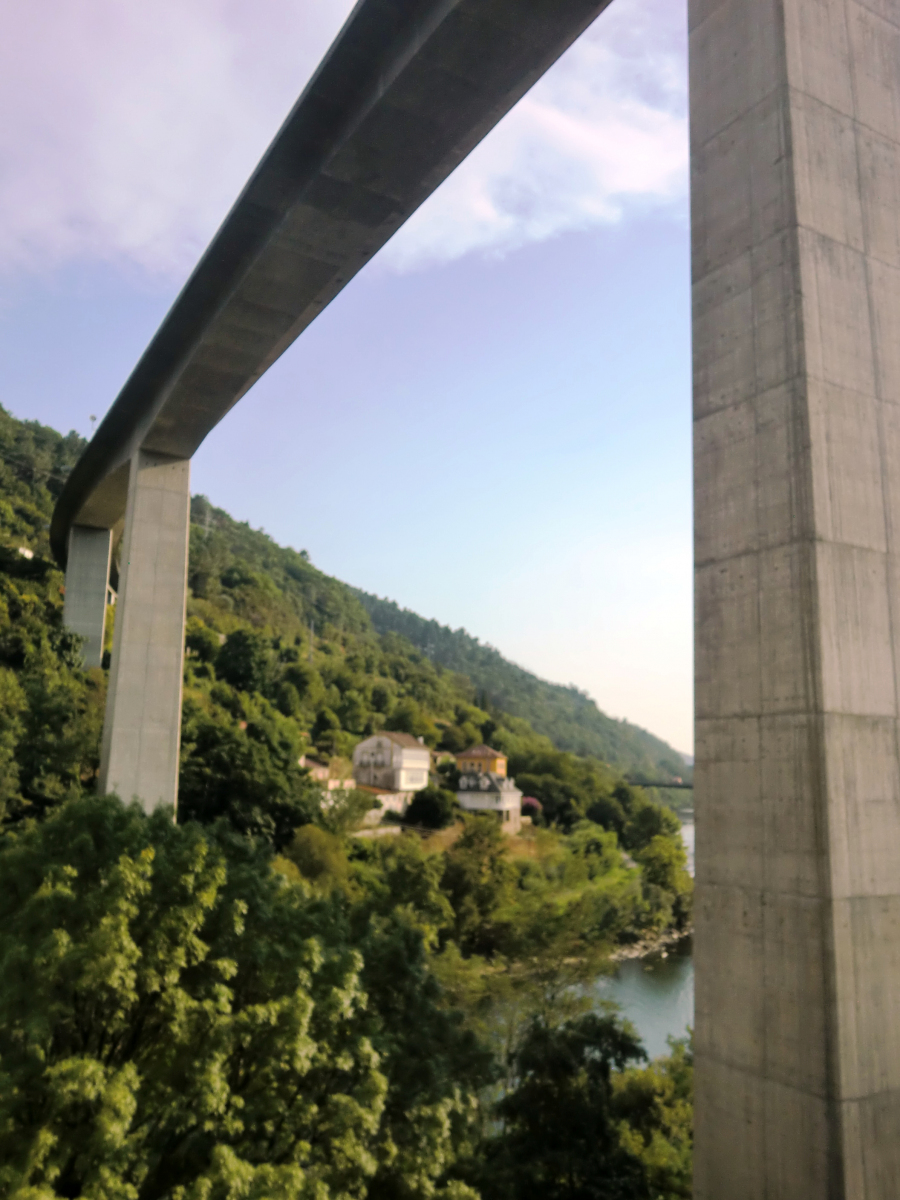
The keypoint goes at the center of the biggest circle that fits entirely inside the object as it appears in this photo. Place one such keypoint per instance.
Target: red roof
(481, 751)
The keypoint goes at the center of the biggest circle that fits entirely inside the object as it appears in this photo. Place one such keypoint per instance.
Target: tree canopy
(257, 1003)
(177, 1020)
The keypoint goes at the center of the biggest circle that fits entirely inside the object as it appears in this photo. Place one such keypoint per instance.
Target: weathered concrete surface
(796, 192)
(406, 91)
(143, 709)
(87, 581)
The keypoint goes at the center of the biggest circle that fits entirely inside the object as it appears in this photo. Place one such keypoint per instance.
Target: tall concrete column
(795, 114)
(87, 582)
(143, 710)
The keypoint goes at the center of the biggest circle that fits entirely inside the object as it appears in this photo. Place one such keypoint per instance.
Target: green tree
(408, 717)
(245, 660)
(59, 748)
(176, 1020)
(209, 555)
(664, 865)
(249, 776)
(560, 1137)
(319, 856)
(326, 730)
(655, 1107)
(646, 820)
(399, 877)
(288, 699)
(12, 707)
(201, 641)
(434, 808)
(353, 711)
(382, 698)
(477, 881)
(344, 810)
(305, 679)
(664, 861)
(596, 847)
(453, 739)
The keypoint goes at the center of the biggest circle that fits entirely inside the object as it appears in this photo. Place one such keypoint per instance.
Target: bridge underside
(795, 113)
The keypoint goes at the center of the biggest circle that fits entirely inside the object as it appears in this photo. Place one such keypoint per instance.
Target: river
(657, 993)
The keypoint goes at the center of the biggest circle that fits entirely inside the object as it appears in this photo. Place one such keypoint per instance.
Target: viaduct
(795, 159)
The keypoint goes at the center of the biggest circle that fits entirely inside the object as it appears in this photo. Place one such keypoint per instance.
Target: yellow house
(482, 758)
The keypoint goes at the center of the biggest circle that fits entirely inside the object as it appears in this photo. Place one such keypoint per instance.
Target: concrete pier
(87, 582)
(795, 113)
(143, 710)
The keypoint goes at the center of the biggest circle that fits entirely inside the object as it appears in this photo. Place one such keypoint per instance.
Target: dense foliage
(560, 1135)
(257, 1003)
(584, 1120)
(432, 808)
(51, 712)
(182, 1018)
(176, 1020)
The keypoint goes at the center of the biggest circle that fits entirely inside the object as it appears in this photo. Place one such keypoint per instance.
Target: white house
(487, 791)
(397, 762)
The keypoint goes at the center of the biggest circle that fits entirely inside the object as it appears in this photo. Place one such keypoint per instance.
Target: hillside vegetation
(566, 715)
(281, 659)
(253, 1002)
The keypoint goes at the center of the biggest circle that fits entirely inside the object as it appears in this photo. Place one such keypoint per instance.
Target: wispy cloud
(603, 134)
(128, 129)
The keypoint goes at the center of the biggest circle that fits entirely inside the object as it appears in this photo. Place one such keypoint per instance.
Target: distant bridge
(657, 783)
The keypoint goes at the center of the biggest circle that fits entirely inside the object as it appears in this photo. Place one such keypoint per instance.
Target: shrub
(432, 807)
(245, 660)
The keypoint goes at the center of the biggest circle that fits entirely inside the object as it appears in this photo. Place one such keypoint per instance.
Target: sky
(491, 424)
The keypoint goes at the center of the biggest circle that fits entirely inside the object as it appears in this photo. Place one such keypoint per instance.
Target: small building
(489, 791)
(317, 769)
(397, 762)
(482, 758)
(333, 776)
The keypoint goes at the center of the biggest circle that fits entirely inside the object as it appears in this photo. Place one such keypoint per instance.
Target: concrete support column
(795, 115)
(87, 581)
(143, 710)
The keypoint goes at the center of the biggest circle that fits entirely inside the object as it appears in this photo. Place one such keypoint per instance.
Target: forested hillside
(567, 716)
(255, 1002)
(281, 659)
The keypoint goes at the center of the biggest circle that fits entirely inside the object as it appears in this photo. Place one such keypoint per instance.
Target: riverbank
(656, 994)
(653, 983)
(647, 947)
(671, 938)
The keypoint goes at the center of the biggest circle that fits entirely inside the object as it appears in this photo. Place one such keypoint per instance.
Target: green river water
(657, 993)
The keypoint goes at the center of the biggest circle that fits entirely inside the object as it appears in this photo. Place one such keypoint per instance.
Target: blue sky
(491, 424)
